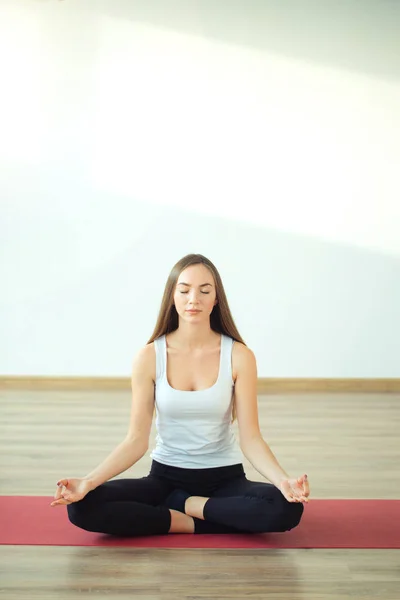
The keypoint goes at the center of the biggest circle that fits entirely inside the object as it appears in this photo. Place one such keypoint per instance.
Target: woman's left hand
(296, 490)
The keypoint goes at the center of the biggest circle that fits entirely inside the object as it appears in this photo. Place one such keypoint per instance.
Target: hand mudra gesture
(296, 490)
(70, 490)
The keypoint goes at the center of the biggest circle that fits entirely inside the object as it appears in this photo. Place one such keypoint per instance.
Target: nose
(193, 297)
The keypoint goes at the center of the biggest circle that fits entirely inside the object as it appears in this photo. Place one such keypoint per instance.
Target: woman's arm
(255, 449)
(136, 443)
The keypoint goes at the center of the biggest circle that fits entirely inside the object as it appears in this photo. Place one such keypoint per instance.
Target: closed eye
(188, 292)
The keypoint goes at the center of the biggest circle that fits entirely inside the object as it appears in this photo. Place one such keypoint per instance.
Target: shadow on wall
(356, 36)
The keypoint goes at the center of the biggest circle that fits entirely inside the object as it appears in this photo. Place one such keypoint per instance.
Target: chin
(190, 317)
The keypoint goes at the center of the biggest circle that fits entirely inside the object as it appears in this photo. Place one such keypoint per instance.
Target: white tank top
(194, 428)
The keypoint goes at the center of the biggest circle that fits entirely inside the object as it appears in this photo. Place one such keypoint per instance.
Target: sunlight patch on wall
(216, 129)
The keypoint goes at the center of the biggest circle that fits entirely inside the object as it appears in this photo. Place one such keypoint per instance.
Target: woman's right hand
(71, 490)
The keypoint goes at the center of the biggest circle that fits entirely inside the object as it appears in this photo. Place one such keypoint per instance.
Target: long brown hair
(221, 319)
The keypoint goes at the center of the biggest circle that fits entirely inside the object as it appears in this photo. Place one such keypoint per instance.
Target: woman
(199, 375)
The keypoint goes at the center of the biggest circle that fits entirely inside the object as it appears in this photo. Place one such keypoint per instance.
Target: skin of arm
(252, 444)
(136, 442)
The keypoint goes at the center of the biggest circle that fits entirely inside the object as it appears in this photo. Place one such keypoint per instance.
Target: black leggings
(136, 507)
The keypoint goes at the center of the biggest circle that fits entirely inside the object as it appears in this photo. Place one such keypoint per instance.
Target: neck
(190, 337)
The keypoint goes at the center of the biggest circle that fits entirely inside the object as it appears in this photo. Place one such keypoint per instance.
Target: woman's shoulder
(242, 358)
(241, 349)
(145, 360)
(145, 351)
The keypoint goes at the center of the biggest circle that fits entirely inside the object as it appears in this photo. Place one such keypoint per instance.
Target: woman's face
(195, 294)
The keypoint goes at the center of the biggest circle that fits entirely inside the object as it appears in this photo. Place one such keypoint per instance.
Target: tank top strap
(160, 347)
(226, 356)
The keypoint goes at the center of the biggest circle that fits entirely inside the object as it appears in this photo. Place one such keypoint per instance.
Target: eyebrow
(188, 284)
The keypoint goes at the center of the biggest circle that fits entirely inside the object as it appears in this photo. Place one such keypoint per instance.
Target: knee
(291, 515)
(79, 516)
(284, 516)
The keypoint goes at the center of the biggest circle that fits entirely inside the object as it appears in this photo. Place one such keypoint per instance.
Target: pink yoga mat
(29, 520)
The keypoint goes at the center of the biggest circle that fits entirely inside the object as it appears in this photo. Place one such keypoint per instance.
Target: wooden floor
(349, 445)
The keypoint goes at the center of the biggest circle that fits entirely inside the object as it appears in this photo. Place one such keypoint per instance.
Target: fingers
(306, 486)
(289, 492)
(296, 490)
(304, 490)
(62, 495)
(304, 494)
(59, 492)
(298, 496)
(61, 488)
(61, 502)
(291, 498)
(62, 482)
(63, 498)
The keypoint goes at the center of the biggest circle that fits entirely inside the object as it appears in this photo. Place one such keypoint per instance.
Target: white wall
(264, 135)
